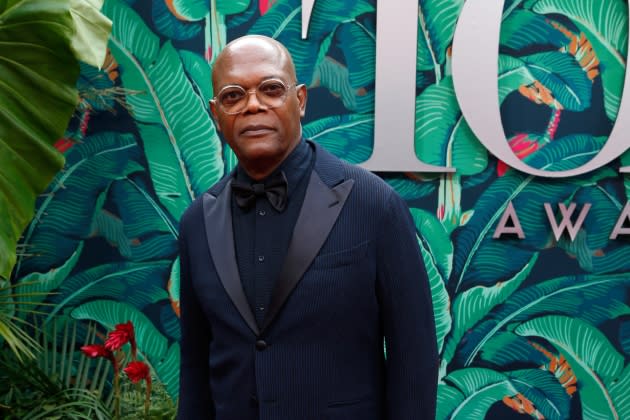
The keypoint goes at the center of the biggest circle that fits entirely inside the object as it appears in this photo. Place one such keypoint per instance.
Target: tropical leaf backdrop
(535, 327)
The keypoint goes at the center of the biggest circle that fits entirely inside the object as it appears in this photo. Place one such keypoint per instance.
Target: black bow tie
(274, 188)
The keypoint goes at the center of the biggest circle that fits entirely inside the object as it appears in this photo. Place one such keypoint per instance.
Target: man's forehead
(252, 58)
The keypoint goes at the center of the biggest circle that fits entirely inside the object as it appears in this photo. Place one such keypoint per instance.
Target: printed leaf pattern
(536, 326)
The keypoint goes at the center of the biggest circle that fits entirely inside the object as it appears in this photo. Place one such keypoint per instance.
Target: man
(296, 268)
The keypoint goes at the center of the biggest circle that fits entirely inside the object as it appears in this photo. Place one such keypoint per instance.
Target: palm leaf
(593, 359)
(40, 44)
(474, 304)
(34, 286)
(357, 41)
(138, 284)
(481, 389)
(65, 213)
(606, 27)
(506, 348)
(167, 24)
(434, 247)
(442, 136)
(436, 27)
(591, 298)
(542, 388)
(283, 23)
(183, 162)
(167, 370)
(523, 29)
(448, 398)
(348, 137)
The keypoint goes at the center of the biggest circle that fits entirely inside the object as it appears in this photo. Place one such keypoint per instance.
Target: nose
(253, 103)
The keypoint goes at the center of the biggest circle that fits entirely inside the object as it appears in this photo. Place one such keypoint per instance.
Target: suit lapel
(221, 243)
(319, 212)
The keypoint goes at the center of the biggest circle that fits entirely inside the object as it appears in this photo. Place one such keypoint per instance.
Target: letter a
(502, 228)
(619, 229)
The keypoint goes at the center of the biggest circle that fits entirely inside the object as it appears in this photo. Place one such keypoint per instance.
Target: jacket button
(261, 345)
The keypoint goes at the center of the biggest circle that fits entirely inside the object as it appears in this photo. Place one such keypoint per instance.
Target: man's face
(259, 134)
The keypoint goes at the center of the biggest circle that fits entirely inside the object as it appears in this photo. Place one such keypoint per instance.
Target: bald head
(248, 45)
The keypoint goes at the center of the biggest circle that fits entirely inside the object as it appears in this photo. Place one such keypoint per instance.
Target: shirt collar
(294, 166)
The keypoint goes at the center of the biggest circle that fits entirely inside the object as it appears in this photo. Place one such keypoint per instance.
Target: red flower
(137, 371)
(122, 335)
(96, 350)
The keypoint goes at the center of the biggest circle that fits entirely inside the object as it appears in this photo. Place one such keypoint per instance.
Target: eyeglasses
(271, 93)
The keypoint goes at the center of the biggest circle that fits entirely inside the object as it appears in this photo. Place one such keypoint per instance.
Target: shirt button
(261, 345)
(261, 258)
(262, 213)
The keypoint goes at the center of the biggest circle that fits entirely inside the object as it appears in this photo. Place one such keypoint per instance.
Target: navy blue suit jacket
(353, 278)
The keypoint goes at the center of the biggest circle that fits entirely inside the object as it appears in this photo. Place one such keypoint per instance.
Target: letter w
(565, 221)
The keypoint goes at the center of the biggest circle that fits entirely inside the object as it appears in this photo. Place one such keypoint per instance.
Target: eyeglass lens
(270, 93)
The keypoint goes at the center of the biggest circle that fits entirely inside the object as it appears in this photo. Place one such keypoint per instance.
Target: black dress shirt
(262, 234)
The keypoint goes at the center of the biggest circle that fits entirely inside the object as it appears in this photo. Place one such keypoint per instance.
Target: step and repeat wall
(530, 292)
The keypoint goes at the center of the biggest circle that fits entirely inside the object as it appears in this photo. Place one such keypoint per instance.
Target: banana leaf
(40, 45)
(607, 29)
(594, 361)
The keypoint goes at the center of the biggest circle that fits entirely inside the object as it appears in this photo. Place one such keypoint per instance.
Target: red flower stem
(147, 401)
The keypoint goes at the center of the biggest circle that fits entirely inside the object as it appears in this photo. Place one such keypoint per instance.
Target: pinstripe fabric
(324, 356)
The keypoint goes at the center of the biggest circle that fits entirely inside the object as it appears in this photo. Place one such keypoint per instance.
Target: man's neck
(260, 169)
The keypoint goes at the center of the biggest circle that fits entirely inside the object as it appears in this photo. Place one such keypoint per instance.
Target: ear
(302, 96)
(215, 115)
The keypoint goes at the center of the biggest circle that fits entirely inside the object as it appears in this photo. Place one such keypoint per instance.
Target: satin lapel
(218, 220)
(319, 212)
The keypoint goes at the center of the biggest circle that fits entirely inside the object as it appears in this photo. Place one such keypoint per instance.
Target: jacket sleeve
(407, 318)
(195, 398)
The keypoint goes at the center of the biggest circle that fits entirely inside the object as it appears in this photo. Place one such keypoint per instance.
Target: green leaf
(358, 43)
(472, 305)
(91, 31)
(140, 44)
(232, 7)
(619, 393)
(542, 388)
(65, 213)
(348, 137)
(442, 136)
(481, 389)
(437, 252)
(448, 398)
(283, 22)
(199, 72)
(167, 24)
(35, 284)
(183, 162)
(37, 98)
(607, 29)
(506, 348)
(167, 370)
(436, 27)
(593, 299)
(137, 284)
(593, 359)
(108, 313)
(524, 29)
